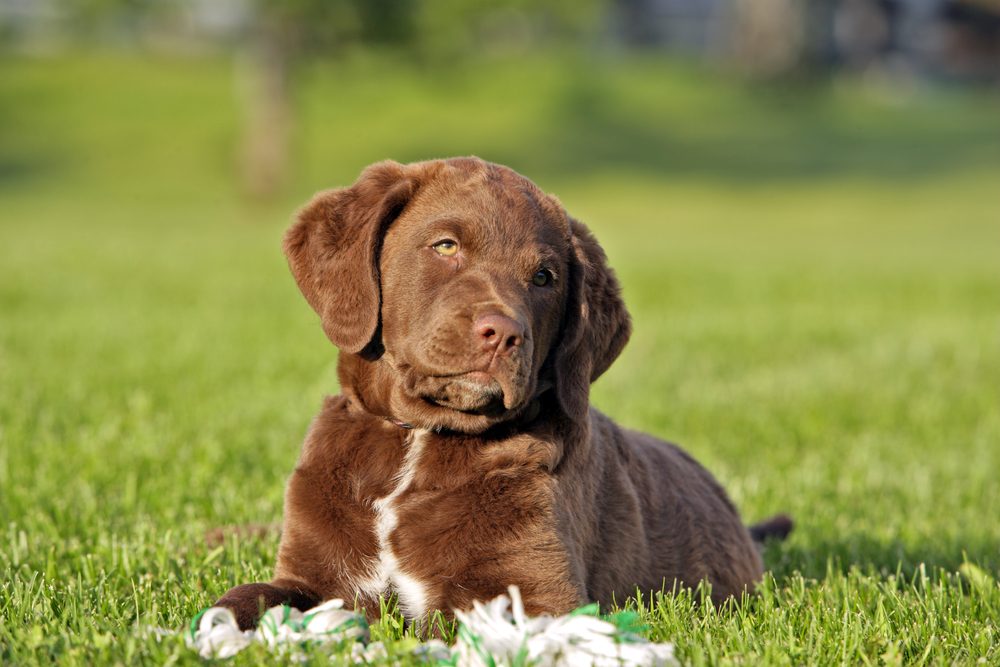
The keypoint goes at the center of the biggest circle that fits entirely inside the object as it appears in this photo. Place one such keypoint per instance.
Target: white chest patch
(386, 575)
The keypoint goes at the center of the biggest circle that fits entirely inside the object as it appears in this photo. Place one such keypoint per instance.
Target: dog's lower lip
(474, 392)
(473, 377)
(481, 377)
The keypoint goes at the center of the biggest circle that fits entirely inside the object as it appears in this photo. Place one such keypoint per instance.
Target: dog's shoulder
(346, 442)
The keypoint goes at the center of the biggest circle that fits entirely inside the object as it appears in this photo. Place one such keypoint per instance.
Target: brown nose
(499, 333)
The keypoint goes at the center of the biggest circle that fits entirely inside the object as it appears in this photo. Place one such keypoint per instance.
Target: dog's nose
(499, 333)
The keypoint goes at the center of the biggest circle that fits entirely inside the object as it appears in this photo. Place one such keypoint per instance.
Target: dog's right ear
(333, 251)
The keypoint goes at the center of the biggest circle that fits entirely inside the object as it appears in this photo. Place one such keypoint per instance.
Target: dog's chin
(467, 402)
(476, 392)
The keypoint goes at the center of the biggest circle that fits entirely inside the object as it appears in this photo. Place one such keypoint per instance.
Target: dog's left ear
(596, 325)
(333, 252)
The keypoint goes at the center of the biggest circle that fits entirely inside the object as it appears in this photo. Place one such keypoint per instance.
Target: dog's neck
(360, 381)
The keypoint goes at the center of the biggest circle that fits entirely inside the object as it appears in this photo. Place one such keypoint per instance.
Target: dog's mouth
(464, 399)
(473, 392)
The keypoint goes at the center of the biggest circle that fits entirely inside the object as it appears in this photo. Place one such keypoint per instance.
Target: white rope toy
(495, 634)
(218, 636)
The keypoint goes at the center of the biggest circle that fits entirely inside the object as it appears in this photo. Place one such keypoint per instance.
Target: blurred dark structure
(957, 40)
(971, 41)
(954, 39)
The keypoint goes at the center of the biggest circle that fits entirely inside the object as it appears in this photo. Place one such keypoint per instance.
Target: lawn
(813, 275)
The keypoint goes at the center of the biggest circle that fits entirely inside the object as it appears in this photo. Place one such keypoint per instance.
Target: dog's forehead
(497, 201)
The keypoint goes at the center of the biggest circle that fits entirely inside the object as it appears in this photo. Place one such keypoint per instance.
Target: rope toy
(495, 634)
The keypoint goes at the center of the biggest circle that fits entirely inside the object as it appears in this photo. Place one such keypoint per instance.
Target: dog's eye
(542, 278)
(445, 248)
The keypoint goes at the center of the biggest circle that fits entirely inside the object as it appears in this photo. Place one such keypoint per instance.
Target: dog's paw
(248, 602)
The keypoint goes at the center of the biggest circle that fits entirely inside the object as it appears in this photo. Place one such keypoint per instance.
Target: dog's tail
(776, 527)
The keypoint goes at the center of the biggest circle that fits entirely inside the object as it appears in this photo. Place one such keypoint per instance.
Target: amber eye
(445, 248)
(542, 278)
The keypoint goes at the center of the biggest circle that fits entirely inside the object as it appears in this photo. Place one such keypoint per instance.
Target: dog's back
(654, 516)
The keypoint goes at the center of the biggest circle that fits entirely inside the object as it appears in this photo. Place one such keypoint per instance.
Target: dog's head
(457, 292)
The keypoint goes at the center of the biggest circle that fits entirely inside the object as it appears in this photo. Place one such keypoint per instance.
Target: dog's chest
(386, 573)
(454, 508)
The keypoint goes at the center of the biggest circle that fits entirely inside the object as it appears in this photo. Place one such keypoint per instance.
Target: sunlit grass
(812, 275)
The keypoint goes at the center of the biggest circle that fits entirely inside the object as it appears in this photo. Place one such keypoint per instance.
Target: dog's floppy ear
(333, 251)
(596, 325)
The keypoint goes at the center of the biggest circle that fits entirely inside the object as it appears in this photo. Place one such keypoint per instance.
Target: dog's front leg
(249, 601)
(327, 550)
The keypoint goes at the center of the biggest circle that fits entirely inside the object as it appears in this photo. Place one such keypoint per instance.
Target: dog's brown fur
(453, 466)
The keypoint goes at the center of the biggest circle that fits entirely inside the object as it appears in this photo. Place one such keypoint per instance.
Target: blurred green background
(802, 204)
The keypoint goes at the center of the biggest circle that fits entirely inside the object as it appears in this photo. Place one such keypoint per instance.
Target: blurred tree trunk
(767, 36)
(265, 92)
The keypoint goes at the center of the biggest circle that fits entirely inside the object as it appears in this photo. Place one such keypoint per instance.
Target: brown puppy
(472, 314)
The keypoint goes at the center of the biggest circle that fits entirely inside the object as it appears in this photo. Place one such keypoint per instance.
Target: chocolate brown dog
(472, 313)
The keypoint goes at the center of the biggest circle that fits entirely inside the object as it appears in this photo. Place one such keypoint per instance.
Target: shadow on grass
(19, 170)
(753, 136)
(877, 556)
(23, 157)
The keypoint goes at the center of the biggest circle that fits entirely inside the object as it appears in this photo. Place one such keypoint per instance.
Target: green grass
(812, 273)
